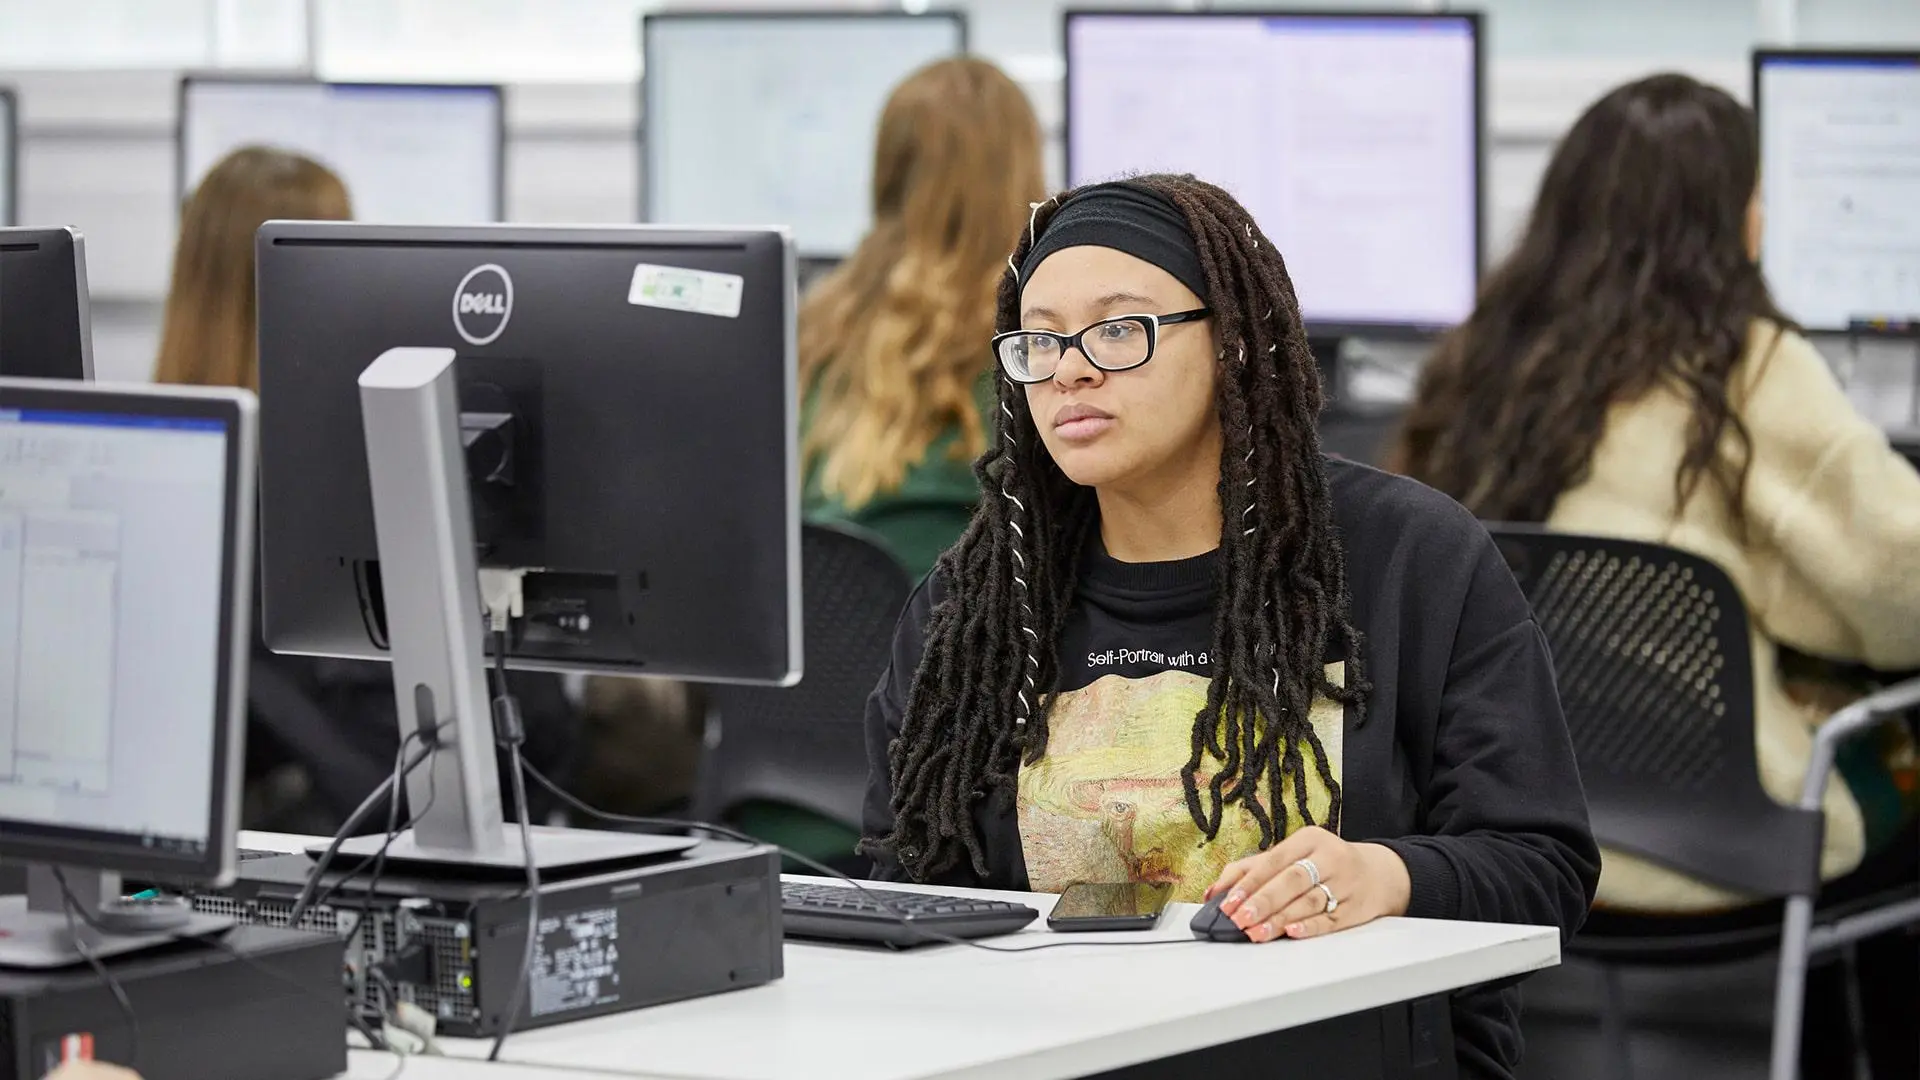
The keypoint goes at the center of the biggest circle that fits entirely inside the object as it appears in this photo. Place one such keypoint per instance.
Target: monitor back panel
(652, 474)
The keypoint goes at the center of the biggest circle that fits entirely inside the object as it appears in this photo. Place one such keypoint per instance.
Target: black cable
(387, 986)
(377, 860)
(533, 906)
(359, 815)
(413, 819)
(80, 946)
(822, 868)
(509, 730)
(393, 828)
(393, 821)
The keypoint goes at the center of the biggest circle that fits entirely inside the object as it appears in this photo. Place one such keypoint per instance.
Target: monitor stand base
(43, 940)
(554, 849)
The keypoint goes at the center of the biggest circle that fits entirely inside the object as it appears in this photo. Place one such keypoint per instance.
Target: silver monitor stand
(38, 930)
(423, 521)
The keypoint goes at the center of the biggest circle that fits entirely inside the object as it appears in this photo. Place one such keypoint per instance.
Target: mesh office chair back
(804, 745)
(1651, 650)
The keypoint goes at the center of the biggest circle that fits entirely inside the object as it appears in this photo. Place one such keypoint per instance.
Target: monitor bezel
(98, 849)
(10, 176)
(1476, 25)
(644, 149)
(182, 189)
(1757, 62)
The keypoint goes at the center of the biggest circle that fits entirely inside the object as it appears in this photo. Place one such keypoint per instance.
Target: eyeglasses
(1116, 344)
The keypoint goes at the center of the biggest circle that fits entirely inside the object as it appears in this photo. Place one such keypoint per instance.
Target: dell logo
(482, 304)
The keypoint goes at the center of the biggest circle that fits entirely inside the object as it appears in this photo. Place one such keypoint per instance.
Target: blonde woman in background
(896, 377)
(891, 360)
(209, 337)
(321, 734)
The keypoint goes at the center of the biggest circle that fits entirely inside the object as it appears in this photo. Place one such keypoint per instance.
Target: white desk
(952, 1013)
(374, 1065)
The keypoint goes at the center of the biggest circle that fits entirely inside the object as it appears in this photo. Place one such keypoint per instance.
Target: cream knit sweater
(1830, 564)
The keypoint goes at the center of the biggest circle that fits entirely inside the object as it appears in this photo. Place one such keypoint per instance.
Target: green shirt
(928, 511)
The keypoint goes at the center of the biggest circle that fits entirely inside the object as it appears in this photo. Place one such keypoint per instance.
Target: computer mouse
(1209, 925)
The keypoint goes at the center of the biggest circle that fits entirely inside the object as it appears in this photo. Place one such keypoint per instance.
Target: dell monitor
(770, 118)
(126, 546)
(1840, 165)
(9, 157)
(45, 331)
(1353, 139)
(419, 154)
(597, 423)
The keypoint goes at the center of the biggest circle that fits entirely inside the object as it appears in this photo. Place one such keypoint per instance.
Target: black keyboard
(844, 913)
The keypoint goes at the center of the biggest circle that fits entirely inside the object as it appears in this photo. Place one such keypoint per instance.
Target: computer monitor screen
(45, 331)
(429, 155)
(1840, 185)
(770, 119)
(9, 157)
(124, 532)
(1353, 140)
(629, 397)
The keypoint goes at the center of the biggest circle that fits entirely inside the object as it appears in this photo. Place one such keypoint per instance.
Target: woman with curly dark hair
(1626, 372)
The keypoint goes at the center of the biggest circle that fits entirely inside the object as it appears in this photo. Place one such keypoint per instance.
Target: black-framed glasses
(1121, 343)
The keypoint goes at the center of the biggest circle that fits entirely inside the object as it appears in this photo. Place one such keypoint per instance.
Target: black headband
(1128, 218)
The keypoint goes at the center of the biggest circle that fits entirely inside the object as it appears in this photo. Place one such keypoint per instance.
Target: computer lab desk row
(1367, 1003)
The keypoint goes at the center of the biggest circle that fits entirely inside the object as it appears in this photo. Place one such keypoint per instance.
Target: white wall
(96, 84)
(97, 153)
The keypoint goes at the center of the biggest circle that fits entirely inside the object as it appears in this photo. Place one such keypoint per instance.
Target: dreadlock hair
(980, 699)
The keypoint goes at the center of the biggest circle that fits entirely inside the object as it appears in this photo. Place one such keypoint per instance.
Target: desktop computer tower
(686, 926)
(252, 1008)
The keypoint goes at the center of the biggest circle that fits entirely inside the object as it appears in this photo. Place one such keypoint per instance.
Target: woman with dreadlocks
(1176, 644)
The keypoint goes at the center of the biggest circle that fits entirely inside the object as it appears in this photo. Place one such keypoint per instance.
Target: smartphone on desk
(1117, 906)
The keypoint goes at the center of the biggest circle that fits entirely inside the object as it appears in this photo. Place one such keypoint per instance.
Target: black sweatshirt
(1462, 764)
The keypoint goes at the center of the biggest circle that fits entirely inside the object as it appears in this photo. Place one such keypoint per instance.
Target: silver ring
(1332, 904)
(1307, 865)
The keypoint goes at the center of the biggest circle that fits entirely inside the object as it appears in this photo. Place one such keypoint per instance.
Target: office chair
(1655, 669)
(1907, 442)
(805, 745)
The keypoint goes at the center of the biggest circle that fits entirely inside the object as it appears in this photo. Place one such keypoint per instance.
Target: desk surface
(949, 1012)
(374, 1065)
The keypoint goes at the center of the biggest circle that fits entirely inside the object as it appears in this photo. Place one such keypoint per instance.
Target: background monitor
(9, 158)
(629, 396)
(1840, 171)
(1353, 139)
(408, 153)
(770, 118)
(125, 546)
(45, 331)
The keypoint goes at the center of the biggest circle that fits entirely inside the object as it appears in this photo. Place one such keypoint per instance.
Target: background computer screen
(1354, 140)
(419, 155)
(770, 119)
(9, 173)
(112, 532)
(1840, 184)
